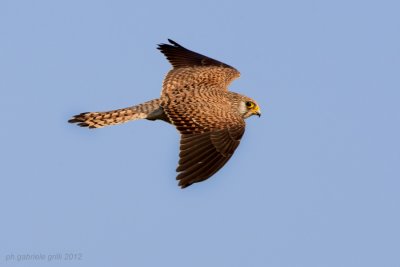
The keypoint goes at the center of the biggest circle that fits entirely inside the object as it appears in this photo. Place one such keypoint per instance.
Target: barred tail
(118, 116)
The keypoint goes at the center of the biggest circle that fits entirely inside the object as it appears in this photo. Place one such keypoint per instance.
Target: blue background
(315, 181)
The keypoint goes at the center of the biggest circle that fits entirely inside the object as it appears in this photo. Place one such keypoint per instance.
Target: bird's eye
(249, 104)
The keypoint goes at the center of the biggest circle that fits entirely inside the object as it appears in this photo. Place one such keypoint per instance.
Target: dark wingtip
(174, 43)
(183, 186)
(180, 56)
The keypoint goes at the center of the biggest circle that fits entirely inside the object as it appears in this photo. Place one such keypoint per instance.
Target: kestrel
(196, 100)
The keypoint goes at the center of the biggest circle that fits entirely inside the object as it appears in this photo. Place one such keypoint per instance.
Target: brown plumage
(118, 116)
(194, 98)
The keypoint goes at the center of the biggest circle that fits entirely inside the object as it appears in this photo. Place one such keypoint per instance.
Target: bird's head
(248, 107)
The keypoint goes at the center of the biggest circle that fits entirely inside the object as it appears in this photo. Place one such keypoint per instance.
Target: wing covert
(192, 70)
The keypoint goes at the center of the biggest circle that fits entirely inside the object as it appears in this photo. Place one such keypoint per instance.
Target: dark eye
(249, 104)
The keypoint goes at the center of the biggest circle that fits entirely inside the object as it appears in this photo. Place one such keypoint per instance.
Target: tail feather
(113, 117)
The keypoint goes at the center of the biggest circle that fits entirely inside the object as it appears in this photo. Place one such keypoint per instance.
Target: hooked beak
(258, 113)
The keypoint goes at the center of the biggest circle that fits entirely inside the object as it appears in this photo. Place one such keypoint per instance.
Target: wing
(180, 57)
(202, 155)
(191, 69)
(210, 133)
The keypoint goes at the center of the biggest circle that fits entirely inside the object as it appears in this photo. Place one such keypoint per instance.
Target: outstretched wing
(202, 155)
(180, 57)
(193, 70)
(210, 133)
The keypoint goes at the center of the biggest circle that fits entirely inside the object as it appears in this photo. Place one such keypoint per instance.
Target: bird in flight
(195, 99)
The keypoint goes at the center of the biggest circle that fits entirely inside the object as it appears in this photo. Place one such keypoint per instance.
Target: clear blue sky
(315, 181)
